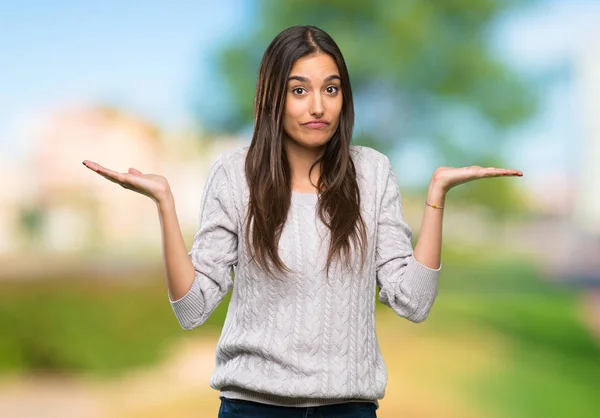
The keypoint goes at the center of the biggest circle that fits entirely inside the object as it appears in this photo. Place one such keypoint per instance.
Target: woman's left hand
(448, 177)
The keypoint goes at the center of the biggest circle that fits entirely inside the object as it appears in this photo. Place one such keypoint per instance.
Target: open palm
(449, 177)
(154, 186)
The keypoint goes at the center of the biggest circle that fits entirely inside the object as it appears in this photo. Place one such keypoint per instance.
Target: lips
(316, 125)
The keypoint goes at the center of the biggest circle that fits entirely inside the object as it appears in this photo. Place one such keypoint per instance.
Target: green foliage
(422, 72)
(83, 325)
(106, 326)
(552, 364)
(500, 196)
(31, 222)
(413, 54)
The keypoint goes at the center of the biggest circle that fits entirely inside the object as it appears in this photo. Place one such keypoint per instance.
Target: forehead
(315, 66)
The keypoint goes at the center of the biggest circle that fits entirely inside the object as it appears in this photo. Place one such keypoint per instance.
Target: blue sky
(148, 56)
(142, 55)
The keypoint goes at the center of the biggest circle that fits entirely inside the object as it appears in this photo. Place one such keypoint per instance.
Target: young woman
(311, 225)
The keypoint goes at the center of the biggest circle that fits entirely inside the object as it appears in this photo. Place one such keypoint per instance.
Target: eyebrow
(306, 80)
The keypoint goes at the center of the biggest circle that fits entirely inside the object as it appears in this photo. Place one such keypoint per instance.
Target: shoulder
(228, 163)
(369, 162)
(232, 158)
(367, 155)
(374, 173)
(228, 170)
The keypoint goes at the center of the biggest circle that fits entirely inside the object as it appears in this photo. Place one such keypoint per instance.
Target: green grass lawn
(74, 325)
(553, 367)
(105, 328)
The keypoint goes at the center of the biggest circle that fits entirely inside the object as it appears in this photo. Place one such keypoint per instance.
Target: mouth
(318, 124)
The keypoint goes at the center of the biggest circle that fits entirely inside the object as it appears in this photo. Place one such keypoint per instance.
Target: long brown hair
(267, 168)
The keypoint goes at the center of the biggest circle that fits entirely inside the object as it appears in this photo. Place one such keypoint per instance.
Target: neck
(301, 160)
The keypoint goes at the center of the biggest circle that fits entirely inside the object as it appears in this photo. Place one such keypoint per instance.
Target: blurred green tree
(31, 219)
(420, 70)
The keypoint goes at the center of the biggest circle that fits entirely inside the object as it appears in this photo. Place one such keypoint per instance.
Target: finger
(105, 172)
(89, 164)
(115, 178)
(496, 172)
(134, 171)
(509, 172)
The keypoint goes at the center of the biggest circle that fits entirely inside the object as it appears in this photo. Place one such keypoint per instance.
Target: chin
(315, 141)
(314, 144)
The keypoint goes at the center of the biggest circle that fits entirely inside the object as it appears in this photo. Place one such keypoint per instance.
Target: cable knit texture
(303, 338)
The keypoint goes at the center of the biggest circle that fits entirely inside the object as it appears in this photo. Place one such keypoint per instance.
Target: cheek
(337, 106)
(293, 110)
(291, 117)
(334, 107)
(335, 115)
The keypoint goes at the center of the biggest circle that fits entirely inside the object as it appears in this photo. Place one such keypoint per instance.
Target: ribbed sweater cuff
(420, 278)
(190, 307)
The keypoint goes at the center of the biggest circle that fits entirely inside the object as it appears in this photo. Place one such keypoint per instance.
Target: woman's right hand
(154, 186)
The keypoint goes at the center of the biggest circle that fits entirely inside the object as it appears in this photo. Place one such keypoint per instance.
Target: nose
(317, 107)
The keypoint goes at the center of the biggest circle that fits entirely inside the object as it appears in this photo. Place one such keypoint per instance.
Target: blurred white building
(56, 205)
(586, 212)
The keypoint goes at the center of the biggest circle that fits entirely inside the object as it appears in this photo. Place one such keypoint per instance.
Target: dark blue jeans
(235, 408)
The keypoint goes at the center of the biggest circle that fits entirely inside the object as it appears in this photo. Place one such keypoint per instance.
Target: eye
(332, 89)
(296, 89)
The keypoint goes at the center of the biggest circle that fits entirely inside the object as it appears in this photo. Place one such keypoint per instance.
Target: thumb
(134, 171)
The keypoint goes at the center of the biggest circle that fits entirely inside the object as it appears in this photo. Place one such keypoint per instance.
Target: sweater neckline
(305, 198)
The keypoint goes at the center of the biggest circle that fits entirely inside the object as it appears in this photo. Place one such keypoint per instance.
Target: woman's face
(314, 94)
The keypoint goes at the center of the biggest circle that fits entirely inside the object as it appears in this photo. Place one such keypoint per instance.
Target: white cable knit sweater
(303, 339)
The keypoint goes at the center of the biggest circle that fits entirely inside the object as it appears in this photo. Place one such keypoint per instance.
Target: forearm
(179, 270)
(429, 245)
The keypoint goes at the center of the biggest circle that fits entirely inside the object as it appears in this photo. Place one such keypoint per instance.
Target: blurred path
(430, 368)
(185, 374)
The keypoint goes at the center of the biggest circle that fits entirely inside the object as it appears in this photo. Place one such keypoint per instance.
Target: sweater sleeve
(407, 286)
(213, 253)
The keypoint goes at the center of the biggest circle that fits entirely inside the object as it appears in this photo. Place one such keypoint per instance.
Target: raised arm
(429, 246)
(408, 279)
(179, 270)
(197, 280)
